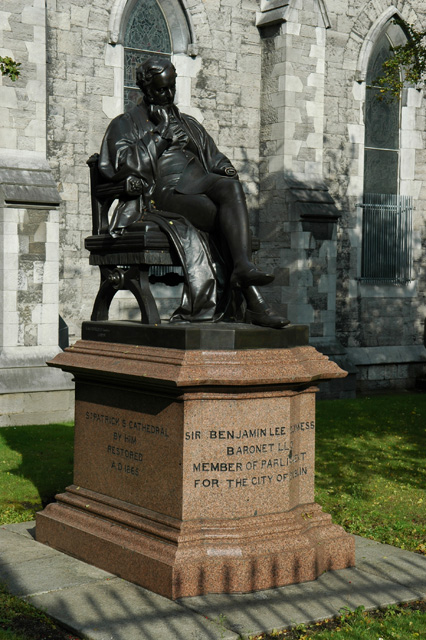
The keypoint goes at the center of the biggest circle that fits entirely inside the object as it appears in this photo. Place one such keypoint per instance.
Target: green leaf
(9, 67)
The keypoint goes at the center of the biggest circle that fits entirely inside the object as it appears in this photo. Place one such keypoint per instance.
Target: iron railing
(386, 238)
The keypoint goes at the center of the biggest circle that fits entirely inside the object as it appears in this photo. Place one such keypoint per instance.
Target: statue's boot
(260, 313)
(248, 275)
(233, 221)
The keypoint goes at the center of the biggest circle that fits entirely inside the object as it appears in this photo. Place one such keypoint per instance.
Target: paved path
(99, 606)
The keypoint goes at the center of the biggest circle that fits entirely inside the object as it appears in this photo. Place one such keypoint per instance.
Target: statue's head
(156, 78)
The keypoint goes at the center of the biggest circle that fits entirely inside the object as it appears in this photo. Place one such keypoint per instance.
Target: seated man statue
(182, 172)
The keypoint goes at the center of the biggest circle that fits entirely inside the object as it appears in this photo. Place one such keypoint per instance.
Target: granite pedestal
(194, 461)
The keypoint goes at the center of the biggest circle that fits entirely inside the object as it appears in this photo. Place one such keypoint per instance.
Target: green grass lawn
(397, 622)
(35, 464)
(370, 475)
(21, 621)
(370, 467)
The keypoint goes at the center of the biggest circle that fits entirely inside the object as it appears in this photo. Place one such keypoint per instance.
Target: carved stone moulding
(177, 559)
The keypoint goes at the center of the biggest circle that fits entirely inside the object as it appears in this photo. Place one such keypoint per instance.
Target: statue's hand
(160, 117)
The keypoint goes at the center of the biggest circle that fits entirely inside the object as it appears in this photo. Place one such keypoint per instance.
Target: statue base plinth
(194, 467)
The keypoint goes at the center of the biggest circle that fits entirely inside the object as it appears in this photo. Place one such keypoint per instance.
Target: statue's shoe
(250, 277)
(266, 318)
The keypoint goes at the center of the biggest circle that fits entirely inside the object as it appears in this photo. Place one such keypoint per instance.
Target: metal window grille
(386, 238)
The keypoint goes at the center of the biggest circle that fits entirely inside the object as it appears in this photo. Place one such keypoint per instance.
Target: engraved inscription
(192, 435)
(128, 425)
(124, 454)
(125, 468)
(278, 460)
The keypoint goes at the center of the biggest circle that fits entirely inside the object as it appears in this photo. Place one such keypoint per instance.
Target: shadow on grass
(46, 453)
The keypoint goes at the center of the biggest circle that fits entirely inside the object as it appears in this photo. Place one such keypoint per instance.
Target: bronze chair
(125, 262)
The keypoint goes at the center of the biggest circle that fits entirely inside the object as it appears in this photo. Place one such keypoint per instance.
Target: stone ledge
(180, 369)
(275, 16)
(40, 407)
(386, 355)
(28, 181)
(33, 379)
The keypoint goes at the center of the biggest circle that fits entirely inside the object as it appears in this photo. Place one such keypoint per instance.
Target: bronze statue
(180, 170)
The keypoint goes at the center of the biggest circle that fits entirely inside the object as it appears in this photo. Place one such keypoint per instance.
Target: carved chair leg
(137, 281)
(105, 294)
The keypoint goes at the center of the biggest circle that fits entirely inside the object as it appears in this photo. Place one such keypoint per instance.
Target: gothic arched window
(146, 34)
(382, 117)
(387, 216)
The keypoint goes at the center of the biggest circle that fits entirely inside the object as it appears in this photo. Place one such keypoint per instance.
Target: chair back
(101, 202)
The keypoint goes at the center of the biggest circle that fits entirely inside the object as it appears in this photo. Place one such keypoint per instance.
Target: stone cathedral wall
(79, 83)
(380, 326)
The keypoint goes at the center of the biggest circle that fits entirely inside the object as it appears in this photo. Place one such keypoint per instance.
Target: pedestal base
(194, 469)
(176, 558)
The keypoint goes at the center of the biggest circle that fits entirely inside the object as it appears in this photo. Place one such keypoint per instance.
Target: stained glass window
(146, 34)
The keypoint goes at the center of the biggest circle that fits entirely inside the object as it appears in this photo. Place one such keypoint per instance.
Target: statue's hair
(150, 68)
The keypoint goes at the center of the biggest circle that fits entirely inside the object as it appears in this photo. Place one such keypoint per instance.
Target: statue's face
(162, 89)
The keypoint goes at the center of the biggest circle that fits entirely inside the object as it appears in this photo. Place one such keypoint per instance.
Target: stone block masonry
(29, 230)
(29, 313)
(292, 121)
(36, 407)
(23, 103)
(81, 79)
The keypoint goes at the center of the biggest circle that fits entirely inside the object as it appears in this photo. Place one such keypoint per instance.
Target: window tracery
(146, 34)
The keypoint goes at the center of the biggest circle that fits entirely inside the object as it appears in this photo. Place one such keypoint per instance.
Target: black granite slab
(200, 336)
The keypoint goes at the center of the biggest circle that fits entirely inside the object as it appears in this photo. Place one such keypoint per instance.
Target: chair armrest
(131, 187)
